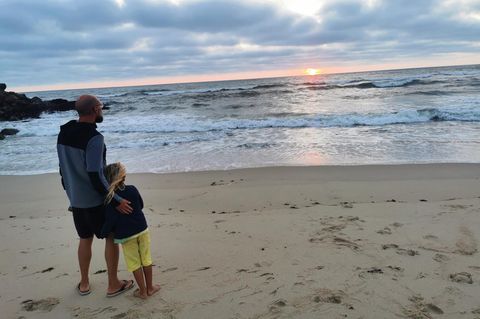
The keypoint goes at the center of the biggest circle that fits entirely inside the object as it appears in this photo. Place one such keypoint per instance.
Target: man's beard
(99, 119)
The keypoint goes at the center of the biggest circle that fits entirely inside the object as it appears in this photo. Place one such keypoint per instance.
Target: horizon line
(158, 81)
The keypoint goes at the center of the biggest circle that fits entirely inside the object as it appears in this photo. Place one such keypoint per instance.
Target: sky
(59, 44)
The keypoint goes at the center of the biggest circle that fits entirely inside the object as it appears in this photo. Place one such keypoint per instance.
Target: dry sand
(287, 242)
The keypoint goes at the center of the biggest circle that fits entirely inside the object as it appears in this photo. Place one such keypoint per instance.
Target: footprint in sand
(420, 309)
(328, 296)
(170, 269)
(46, 270)
(87, 312)
(369, 272)
(101, 271)
(45, 305)
(400, 251)
(203, 268)
(441, 258)
(337, 241)
(455, 207)
(385, 231)
(407, 252)
(466, 244)
(277, 305)
(346, 204)
(462, 277)
(274, 292)
(476, 311)
(375, 272)
(421, 275)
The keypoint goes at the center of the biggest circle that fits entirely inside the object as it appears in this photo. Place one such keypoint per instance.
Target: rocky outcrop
(17, 106)
(7, 131)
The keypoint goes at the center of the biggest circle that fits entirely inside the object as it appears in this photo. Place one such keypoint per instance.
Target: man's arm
(61, 177)
(94, 158)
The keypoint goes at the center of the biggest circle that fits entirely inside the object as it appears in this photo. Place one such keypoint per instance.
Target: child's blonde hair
(115, 174)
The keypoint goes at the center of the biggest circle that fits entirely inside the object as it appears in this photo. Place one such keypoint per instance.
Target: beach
(375, 241)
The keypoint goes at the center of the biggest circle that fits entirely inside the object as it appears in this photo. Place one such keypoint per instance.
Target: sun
(313, 71)
(303, 7)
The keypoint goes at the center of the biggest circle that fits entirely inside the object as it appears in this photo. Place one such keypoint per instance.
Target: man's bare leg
(112, 254)
(84, 257)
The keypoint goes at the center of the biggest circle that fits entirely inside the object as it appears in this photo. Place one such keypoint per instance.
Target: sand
(395, 241)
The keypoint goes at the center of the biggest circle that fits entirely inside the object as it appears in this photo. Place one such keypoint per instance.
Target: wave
(256, 90)
(109, 95)
(167, 124)
(370, 84)
(239, 106)
(151, 92)
(269, 86)
(204, 91)
(255, 145)
(313, 83)
(196, 105)
(246, 93)
(434, 93)
(113, 102)
(195, 125)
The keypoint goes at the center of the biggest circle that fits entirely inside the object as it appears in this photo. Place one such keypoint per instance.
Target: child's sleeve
(140, 199)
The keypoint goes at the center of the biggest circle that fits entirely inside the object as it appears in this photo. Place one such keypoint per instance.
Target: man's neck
(86, 119)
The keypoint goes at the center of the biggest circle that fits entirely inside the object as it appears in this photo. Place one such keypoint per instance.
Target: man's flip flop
(83, 293)
(127, 285)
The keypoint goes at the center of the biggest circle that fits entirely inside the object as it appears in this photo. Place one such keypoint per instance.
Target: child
(130, 230)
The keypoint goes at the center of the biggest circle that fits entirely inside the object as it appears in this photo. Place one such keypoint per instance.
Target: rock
(9, 131)
(59, 105)
(2, 137)
(17, 106)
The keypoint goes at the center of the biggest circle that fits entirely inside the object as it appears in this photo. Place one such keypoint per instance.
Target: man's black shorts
(89, 221)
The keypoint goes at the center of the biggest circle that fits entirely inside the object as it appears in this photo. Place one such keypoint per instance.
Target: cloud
(57, 41)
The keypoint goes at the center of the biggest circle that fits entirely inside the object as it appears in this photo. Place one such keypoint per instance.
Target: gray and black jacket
(82, 156)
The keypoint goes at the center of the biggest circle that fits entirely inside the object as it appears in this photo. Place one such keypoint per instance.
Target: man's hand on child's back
(124, 207)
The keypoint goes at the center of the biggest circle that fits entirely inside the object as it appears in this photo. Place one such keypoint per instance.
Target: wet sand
(286, 242)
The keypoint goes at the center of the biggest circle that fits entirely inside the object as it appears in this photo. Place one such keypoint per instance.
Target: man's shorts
(137, 252)
(89, 221)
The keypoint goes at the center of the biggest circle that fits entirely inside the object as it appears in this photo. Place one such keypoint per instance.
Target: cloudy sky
(90, 43)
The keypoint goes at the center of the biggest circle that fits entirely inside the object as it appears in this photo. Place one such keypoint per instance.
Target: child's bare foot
(137, 294)
(153, 290)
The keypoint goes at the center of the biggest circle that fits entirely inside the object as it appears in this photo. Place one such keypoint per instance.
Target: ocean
(423, 115)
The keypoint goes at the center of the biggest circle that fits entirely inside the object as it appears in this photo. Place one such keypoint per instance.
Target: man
(82, 156)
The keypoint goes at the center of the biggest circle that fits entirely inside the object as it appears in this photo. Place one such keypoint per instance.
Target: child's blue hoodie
(125, 225)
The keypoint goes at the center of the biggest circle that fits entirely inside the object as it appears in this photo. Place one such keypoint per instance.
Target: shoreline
(326, 166)
(374, 241)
